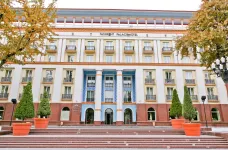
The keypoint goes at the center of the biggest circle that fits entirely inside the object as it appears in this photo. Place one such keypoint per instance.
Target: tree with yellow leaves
(24, 29)
(208, 29)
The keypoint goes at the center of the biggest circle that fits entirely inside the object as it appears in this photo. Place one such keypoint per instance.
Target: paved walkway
(93, 149)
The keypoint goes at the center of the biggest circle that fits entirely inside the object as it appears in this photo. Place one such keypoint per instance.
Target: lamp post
(14, 101)
(203, 100)
(220, 68)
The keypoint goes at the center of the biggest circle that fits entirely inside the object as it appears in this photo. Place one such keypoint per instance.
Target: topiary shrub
(44, 109)
(25, 108)
(176, 107)
(188, 109)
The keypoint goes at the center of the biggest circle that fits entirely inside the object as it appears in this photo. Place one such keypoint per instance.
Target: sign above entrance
(119, 34)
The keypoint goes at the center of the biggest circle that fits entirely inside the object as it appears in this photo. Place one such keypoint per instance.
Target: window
(49, 73)
(197, 115)
(215, 114)
(72, 42)
(165, 44)
(169, 91)
(146, 44)
(128, 59)
(191, 91)
(148, 75)
(109, 79)
(90, 43)
(90, 96)
(89, 58)
(51, 58)
(127, 96)
(8, 73)
(127, 80)
(91, 79)
(149, 91)
(207, 75)
(69, 74)
(47, 89)
(1, 113)
(70, 58)
(128, 43)
(151, 114)
(67, 90)
(186, 60)
(4, 89)
(109, 43)
(210, 91)
(108, 58)
(28, 73)
(108, 96)
(167, 59)
(65, 114)
(168, 75)
(188, 75)
(148, 59)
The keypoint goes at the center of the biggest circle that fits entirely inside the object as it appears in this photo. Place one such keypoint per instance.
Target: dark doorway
(89, 117)
(128, 116)
(108, 116)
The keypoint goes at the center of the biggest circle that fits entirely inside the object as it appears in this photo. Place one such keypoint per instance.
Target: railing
(109, 100)
(70, 47)
(190, 81)
(90, 84)
(108, 84)
(169, 97)
(128, 48)
(127, 100)
(167, 49)
(89, 47)
(111, 48)
(6, 79)
(42, 95)
(148, 48)
(169, 81)
(127, 85)
(194, 97)
(67, 96)
(47, 79)
(27, 79)
(212, 97)
(149, 81)
(4, 95)
(150, 97)
(90, 99)
(209, 81)
(68, 80)
(51, 47)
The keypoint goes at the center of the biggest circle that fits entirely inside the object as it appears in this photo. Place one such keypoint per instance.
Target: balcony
(151, 97)
(212, 98)
(90, 99)
(108, 100)
(26, 79)
(49, 96)
(71, 49)
(66, 96)
(4, 95)
(148, 50)
(108, 84)
(90, 84)
(194, 97)
(169, 81)
(129, 49)
(149, 81)
(68, 80)
(127, 85)
(167, 50)
(109, 50)
(169, 97)
(51, 48)
(127, 100)
(6, 79)
(47, 80)
(209, 82)
(190, 81)
(89, 49)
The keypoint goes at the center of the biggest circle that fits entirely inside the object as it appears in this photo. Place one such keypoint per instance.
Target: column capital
(119, 72)
(98, 72)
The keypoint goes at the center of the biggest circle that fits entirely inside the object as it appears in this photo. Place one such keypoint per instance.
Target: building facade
(115, 67)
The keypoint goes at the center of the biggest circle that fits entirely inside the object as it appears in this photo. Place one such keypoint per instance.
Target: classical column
(136, 51)
(62, 52)
(60, 42)
(119, 120)
(78, 50)
(98, 51)
(121, 51)
(97, 118)
(82, 50)
(117, 51)
(57, 90)
(102, 51)
(36, 83)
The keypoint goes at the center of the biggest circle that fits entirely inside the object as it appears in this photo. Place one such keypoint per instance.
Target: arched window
(89, 116)
(197, 116)
(215, 114)
(1, 113)
(151, 114)
(65, 114)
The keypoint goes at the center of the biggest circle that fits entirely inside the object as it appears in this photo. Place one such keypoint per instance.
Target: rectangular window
(207, 75)
(28, 73)
(109, 58)
(148, 75)
(89, 58)
(186, 59)
(146, 43)
(169, 91)
(210, 91)
(109, 43)
(127, 80)
(5, 89)
(90, 43)
(191, 91)
(188, 75)
(109, 79)
(51, 58)
(128, 59)
(167, 59)
(165, 44)
(67, 90)
(108, 94)
(128, 43)
(69, 74)
(47, 89)
(148, 59)
(90, 96)
(8, 73)
(91, 79)
(149, 91)
(72, 42)
(127, 96)
(168, 75)
(70, 58)
(49, 73)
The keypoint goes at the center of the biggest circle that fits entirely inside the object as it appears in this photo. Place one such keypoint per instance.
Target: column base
(97, 123)
(119, 123)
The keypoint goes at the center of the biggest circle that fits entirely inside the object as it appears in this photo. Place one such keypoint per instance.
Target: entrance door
(108, 116)
(89, 117)
(127, 116)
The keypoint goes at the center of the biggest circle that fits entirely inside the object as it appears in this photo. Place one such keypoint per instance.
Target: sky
(188, 5)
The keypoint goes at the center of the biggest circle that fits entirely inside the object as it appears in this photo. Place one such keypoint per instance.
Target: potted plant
(24, 110)
(190, 129)
(176, 111)
(44, 110)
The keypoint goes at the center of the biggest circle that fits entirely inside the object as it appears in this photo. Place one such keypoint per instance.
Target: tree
(176, 107)
(25, 108)
(188, 109)
(26, 37)
(208, 29)
(44, 109)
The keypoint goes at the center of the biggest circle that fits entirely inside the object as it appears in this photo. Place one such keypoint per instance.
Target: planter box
(192, 129)
(177, 123)
(21, 129)
(41, 123)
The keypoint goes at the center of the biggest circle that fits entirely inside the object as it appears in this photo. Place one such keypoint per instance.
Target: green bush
(176, 107)
(188, 109)
(44, 109)
(25, 108)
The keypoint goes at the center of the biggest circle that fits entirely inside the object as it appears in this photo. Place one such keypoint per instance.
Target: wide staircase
(92, 137)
